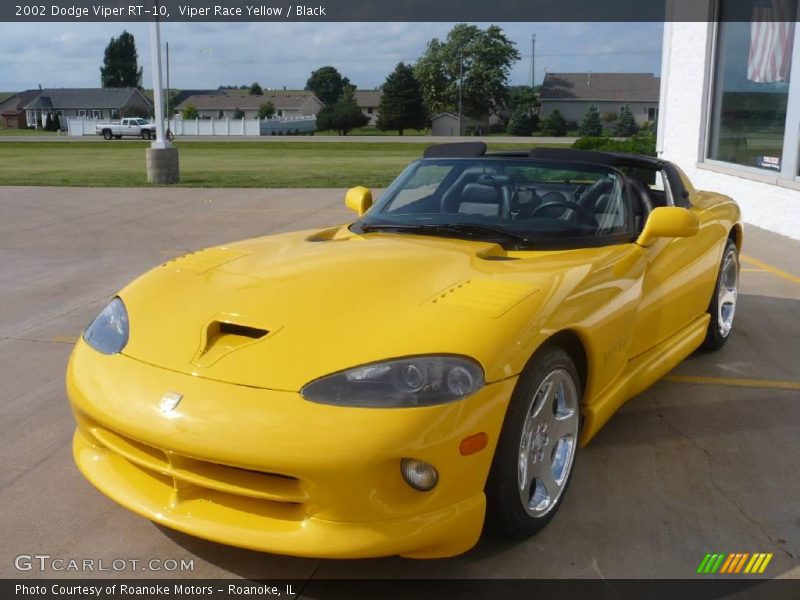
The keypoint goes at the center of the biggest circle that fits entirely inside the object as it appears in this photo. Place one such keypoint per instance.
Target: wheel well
(570, 343)
(736, 235)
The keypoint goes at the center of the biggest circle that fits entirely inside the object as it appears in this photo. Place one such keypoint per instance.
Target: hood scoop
(228, 333)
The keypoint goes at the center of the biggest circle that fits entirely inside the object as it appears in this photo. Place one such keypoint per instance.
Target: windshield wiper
(473, 230)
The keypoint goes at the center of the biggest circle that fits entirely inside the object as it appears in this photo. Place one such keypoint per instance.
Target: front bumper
(270, 471)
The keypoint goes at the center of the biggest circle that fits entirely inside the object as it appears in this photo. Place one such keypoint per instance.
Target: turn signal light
(473, 443)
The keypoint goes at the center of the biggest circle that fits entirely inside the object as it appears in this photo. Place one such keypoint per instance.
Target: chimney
(589, 79)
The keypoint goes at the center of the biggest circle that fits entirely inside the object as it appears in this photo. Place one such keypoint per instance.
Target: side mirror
(668, 222)
(358, 199)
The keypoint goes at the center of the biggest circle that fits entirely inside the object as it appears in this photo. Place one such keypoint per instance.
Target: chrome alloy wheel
(727, 292)
(548, 443)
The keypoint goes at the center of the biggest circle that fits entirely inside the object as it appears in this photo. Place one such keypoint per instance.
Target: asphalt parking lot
(705, 461)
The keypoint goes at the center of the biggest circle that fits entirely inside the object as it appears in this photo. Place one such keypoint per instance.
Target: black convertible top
(611, 159)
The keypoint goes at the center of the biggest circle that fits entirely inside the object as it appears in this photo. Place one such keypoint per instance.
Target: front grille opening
(242, 331)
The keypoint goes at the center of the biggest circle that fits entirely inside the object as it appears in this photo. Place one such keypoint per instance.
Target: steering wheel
(583, 213)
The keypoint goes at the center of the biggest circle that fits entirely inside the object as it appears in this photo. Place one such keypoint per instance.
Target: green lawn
(16, 132)
(211, 164)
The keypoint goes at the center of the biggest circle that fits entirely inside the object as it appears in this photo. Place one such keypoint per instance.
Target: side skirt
(641, 373)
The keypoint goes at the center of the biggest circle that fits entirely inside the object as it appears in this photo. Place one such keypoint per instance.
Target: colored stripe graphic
(738, 562)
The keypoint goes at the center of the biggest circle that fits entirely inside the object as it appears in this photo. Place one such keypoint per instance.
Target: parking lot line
(769, 384)
(760, 264)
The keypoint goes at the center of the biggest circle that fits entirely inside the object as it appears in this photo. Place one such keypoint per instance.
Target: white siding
(681, 131)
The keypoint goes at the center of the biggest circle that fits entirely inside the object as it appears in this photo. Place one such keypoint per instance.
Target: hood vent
(489, 297)
(227, 334)
(204, 260)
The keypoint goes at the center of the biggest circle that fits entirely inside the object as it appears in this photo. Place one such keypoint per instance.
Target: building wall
(574, 110)
(684, 71)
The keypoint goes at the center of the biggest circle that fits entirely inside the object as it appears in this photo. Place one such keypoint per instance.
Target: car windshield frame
(479, 227)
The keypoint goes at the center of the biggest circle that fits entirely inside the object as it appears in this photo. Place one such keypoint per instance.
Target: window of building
(751, 121)
(115, 113)
(652, 113)
(81, 113)
(369, 110)
(97, 114)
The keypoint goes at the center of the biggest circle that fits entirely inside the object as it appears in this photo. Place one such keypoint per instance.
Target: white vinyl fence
(210, 127)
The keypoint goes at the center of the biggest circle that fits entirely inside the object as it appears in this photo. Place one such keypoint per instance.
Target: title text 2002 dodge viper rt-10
(383, 387)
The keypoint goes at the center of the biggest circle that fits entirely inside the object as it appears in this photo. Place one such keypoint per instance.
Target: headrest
(477, 193)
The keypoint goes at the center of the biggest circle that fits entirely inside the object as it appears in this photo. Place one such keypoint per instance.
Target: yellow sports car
(384, 386)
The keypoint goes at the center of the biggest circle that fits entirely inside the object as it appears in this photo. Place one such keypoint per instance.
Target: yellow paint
(764, 564)
(358, 199)
(760, 264)
(245, 460)
(735, 382)
(668, 222)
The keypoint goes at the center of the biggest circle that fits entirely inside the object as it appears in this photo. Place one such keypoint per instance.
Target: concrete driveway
(705, 461)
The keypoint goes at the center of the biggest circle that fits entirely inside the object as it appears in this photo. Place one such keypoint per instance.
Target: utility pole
(533, 59)
(169, 114)
(461, 94)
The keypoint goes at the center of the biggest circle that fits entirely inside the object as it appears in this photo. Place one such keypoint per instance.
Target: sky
(206, 55)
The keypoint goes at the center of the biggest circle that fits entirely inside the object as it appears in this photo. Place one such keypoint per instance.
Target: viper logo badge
(170, 401)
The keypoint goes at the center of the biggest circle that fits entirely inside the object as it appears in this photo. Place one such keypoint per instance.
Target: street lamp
(461, 94)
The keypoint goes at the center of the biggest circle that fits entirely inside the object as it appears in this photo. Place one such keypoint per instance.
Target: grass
(211, 164)
(18, 132)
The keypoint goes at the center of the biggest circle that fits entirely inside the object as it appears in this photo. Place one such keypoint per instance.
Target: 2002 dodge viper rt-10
(386, 386)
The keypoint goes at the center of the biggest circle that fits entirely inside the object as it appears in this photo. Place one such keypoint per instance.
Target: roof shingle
(624, 87)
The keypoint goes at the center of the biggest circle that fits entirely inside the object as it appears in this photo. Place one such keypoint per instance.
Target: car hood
(279, 311)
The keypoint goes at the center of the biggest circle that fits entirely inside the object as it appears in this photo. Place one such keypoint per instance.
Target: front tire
(723, 304)
(107, 135)
(535, 454)
(146, 134)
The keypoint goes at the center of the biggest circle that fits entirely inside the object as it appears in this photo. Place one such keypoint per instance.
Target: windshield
(518, 202)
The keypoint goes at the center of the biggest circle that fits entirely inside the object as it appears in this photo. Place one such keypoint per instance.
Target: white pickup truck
(134, 127)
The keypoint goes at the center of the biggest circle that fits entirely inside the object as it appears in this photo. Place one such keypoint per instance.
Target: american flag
(771, 35)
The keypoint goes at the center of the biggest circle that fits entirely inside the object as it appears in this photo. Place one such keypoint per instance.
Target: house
(89, 103)
(12, 110)
(295, 104)
(447, 124)
(573, 93)
(368, 101)
(730, 110)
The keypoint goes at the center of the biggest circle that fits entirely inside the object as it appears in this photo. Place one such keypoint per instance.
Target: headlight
(108, 333)
(405, 382)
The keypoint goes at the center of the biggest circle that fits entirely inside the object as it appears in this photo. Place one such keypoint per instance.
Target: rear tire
(535, 454)
(723, 303)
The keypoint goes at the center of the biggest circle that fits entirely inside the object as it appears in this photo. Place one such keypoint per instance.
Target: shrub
(522, 123)
(591, 126)
(555, 125)
(626, 125)
(640, 144)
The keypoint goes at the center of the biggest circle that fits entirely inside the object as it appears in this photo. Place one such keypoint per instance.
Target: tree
(591, 125)
(486, 56)
(555, 125)
(522, 123)
(521, 98)
(48, 124)
(401, 106)
(190, 112)
(343, 116)
(327, 84)
(626, 123)
(266, 110)
(121, 63)
(255, 89)
(238, 114)
(57, 122)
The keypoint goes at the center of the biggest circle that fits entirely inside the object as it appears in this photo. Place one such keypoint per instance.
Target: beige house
(287, 104)
(448, 124)
(573, 93)
(368, 101)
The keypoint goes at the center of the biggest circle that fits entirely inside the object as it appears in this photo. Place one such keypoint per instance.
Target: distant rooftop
(630, 87)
